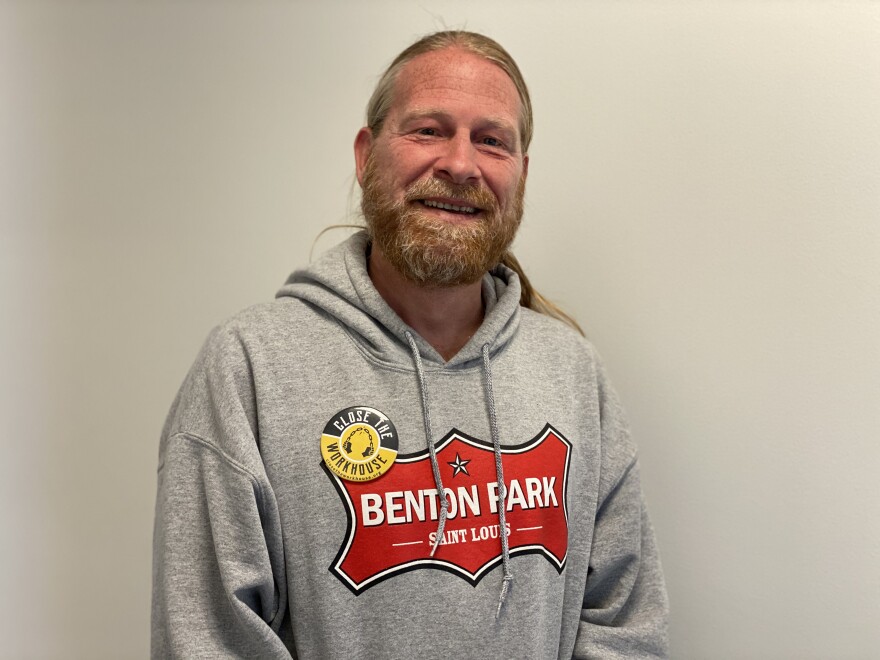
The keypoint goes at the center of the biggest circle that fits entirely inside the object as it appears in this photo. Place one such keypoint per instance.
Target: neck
(445, 317)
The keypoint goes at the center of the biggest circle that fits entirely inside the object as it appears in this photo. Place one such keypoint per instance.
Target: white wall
(704, 195)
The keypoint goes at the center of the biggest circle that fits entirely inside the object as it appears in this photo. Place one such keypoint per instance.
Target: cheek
(408, 160)
(505, 186)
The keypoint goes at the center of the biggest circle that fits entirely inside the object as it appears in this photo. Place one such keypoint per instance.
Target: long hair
(529, 296)
(478, 44)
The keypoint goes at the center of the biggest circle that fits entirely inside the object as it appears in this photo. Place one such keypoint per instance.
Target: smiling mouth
(452, 208)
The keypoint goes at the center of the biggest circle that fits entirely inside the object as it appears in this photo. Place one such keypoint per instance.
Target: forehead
(455, 78)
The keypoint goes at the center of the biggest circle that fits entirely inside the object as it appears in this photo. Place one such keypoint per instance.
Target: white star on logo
(459, 465)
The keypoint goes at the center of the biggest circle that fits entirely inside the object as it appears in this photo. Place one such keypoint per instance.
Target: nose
(458, 161)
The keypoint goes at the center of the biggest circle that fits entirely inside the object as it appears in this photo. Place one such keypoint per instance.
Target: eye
(427, 131)
(492, 142)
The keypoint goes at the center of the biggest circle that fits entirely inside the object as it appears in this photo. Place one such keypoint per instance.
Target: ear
(525, 166)
(363, 145)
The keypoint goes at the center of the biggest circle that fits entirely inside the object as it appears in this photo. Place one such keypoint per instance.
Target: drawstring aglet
(441, 525)
(504, 586)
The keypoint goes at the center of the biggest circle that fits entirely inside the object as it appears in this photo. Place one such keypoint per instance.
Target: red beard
(433, 252)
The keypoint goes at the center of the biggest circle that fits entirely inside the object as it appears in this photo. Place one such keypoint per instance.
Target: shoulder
(545, 334)
(256, 328)
(576, 364)
(222, 374)
(546, 348)
(231, 348)
(268, 317)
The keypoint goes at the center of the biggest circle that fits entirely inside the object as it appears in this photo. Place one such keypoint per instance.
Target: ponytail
(530, 298)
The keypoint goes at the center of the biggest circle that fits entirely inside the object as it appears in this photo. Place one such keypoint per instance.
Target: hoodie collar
(339, 285)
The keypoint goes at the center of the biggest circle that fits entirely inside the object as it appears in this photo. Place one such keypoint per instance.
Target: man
(397, 458)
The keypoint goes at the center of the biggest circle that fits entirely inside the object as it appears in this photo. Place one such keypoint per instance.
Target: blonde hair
(530, 298)
(383, 96)
(478, 44)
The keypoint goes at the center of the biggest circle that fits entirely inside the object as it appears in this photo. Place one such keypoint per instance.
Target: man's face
(444, 179)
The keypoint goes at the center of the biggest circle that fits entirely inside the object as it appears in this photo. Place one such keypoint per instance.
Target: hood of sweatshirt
(339, 285)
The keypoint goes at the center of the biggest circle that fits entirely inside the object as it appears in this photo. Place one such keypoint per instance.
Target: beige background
(704, 196)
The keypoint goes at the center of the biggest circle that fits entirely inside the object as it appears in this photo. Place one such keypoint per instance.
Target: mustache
(476, 196)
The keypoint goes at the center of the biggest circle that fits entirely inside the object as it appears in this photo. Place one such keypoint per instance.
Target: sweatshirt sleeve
(218, 573)
(625, 609)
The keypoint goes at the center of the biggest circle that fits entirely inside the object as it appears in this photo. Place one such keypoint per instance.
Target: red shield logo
(392, 520)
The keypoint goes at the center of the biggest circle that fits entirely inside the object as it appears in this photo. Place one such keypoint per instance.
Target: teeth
(450, 207)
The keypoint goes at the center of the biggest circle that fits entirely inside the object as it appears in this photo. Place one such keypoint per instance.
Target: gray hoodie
(330, 487)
